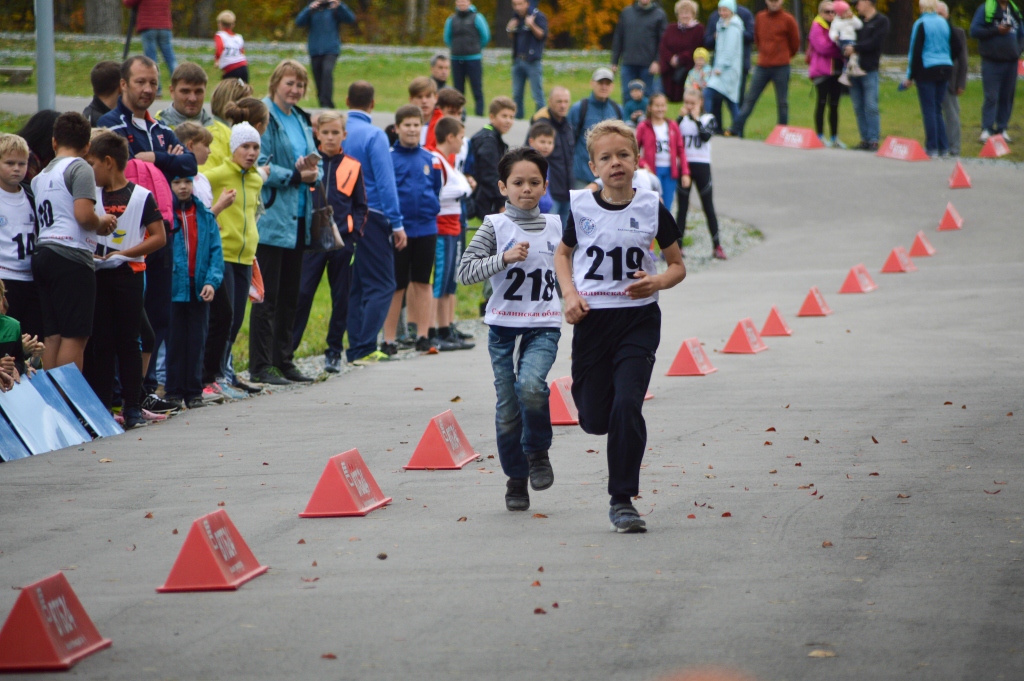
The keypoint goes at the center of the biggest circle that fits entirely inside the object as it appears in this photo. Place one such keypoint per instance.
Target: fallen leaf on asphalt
(727, 514)
(814, 493)
(220, 503)
(773, 471)
(539, 515)
(540, 611)
(710, 467)
(700, 505)
(947, 402)
(591, 451)
(149, 515)
(455, 399)
(536, 583)
(806, 438)
(860, 557)
(798, 464)
(417, 388)
(1009, 413)
(350, 539)
(314, 564)
(903, 441)
(963, 406)
(996, 492)
(311, 579)
(691, 516)
(174, 531)
(996, 482)
(382, 556)
(554, 605)
(771, 429)
(265, 463)
(872, 475)
(805, 486)
(106, 461)
(462, 519)
(490, 456)
(826, 544)
(849, 477)
(302, 541)
(540, 569)
(874, 439)
(821, 653)
(817, 442)
(329, 656)
(901, 495)
(767, 443)
(709, 476)
(131, 549)
(787, 406)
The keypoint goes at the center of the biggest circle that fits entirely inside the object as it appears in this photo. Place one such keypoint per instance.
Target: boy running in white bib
(515, 250)
(610, 284)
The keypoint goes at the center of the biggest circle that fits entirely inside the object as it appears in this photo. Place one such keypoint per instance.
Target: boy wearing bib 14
(611, 285)
(515, 250)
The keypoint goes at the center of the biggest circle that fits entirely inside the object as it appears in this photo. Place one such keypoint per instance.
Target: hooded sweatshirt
(638, 35)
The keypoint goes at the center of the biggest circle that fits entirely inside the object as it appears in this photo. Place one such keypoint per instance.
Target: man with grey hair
(556, 114)
(957, 84)
(440, 68)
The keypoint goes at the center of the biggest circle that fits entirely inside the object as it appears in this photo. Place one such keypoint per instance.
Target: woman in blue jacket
(286, 152)
(930, 65)
(727, 69)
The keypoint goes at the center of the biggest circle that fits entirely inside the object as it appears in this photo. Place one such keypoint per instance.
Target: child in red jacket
(662, 150)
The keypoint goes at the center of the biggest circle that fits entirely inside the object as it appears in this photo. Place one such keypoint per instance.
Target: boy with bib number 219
(610, 284)
(516, 250)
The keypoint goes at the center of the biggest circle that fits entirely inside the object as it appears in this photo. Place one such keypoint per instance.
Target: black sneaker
(541, 475)
(332, 364)
(157, 405)
(389, 349)
(133, 419)
(271, 376)
(517, 497)
(447, 344)
(459, 333)
(242, 385)
(403, 343)
(296, 376)
(196, 402)
(424, 344)
(626, 519)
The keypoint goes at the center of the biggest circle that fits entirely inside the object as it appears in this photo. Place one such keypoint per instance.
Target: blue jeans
(779, 76)
(999, 81)
(668, 186)
(930, 95)
(373, 284)
(159, 38)
(628, 72)
(339, 275)
(561, 209)
(522, 418)
(521, 71)
(713, 105)
(864, 95)
(474, 70)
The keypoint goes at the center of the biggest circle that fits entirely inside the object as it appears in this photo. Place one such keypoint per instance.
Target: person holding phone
(324, 18)
(528, 29)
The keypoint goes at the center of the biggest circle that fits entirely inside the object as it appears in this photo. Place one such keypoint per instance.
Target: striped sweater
(481, 261)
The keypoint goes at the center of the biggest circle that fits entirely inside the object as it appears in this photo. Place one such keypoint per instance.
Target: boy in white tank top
(18, 236)
(62, 267)
(515, 250)
(229, 48)
(610, 284)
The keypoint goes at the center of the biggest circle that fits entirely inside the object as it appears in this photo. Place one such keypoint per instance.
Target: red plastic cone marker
(902, 149)
(775, 325)
(47, 629)
(858, 281)
(213, 558)
(561, 403)
(814, 305)
(959, 178)
(951, 220)
(443, 445)
(691, 360)
(648, 396)
(995, 147)
(346, 488)
(898, 261)
(745, 339)
(921, 248)
(795, 138)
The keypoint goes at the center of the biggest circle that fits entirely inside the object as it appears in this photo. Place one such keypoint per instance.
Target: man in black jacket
(635, 45)
(957, 83)
(864, 89)
(106, 86)
(485, 150)
(556, 114)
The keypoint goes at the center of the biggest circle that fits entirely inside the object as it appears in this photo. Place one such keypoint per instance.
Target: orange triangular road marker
(561, 403)
(775, 325)
(691, 360)
(858, 281)
(921, 248)
(443, 446)
(346, 488)
(902, 149)
(814, 305)
(47, 629)
(959, 179)
(898, 261)
(745, 339)
(951, 219)
(995, 147)
(214, 557)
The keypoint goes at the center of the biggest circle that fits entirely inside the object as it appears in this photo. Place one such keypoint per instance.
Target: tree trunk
(901, 20)
(410, 17)
(424, 10)
(103, 17)
(202, 19)
(502, 15)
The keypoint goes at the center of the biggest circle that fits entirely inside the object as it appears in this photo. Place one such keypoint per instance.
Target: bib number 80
(634, 261)
(543, 284)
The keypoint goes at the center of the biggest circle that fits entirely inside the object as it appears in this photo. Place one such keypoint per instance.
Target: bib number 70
(634, 261)
(543, 284)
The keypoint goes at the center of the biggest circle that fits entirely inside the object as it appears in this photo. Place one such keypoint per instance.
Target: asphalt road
(923, 578)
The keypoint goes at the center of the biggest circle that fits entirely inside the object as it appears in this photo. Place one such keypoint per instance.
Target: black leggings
(829, 91)
(114, 346)
(700, 173)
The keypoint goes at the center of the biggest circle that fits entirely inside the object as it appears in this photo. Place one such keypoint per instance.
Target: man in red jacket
(154, 26)
(778, 40)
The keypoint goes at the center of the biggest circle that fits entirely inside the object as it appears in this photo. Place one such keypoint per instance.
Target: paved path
(923, 587)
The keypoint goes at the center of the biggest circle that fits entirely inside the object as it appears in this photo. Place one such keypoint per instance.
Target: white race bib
(525, 293)
(130, 231)
(55, 209)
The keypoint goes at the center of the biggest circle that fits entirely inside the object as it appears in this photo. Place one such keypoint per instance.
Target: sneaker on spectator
(271, 376)
(159, 405)
(459, 333)
(1006, 136)
(405, 342)
(389, 349)
(212, 393)
(296, 376)
(838, 143)
(332, 363)
(372, 358)
(242, 385)
(824, 140)
(985, 134)
(424, 344)
(719, 253)
(150, 416)
(133, 419)
(231, 393)
(196, 402)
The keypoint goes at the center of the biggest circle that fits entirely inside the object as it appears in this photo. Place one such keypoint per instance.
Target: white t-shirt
(662, 157)
(55, 208)
(697, 150)
(17, 236)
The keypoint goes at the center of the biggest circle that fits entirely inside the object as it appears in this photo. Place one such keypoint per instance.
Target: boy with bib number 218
(610, 284)
(516, 250)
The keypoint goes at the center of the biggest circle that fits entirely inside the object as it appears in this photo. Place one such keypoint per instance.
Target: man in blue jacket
(998, 27)
(373, 274)
(528, 29)
(748, 40)
(323, 18)
(585, 114)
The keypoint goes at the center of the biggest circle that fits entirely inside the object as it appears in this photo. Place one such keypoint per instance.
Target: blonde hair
(288, 67)
(13, 144)
(328, 116)
(226, 18)
(928, 5)
(228, 91)
(611, 126)
(688, 3)
(190, 132)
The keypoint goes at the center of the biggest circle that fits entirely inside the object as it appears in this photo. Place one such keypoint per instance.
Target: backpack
(585, 104)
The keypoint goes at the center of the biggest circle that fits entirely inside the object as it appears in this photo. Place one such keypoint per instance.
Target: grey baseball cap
(603, 73)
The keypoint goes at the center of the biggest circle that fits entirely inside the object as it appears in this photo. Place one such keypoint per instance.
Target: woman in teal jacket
(285, 151)
(930, 65)
(727, 69)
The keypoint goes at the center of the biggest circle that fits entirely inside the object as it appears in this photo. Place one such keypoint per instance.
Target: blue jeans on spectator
(668, 185)
(713, 105)
(521, 71)
(864, 95)
(159, 38)
(930, 95)
(339, 276)
(373, 284)
(522, 419)
(779, 75)
(628, 72)
(474, 70)
(999, 81)
(561, 209)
